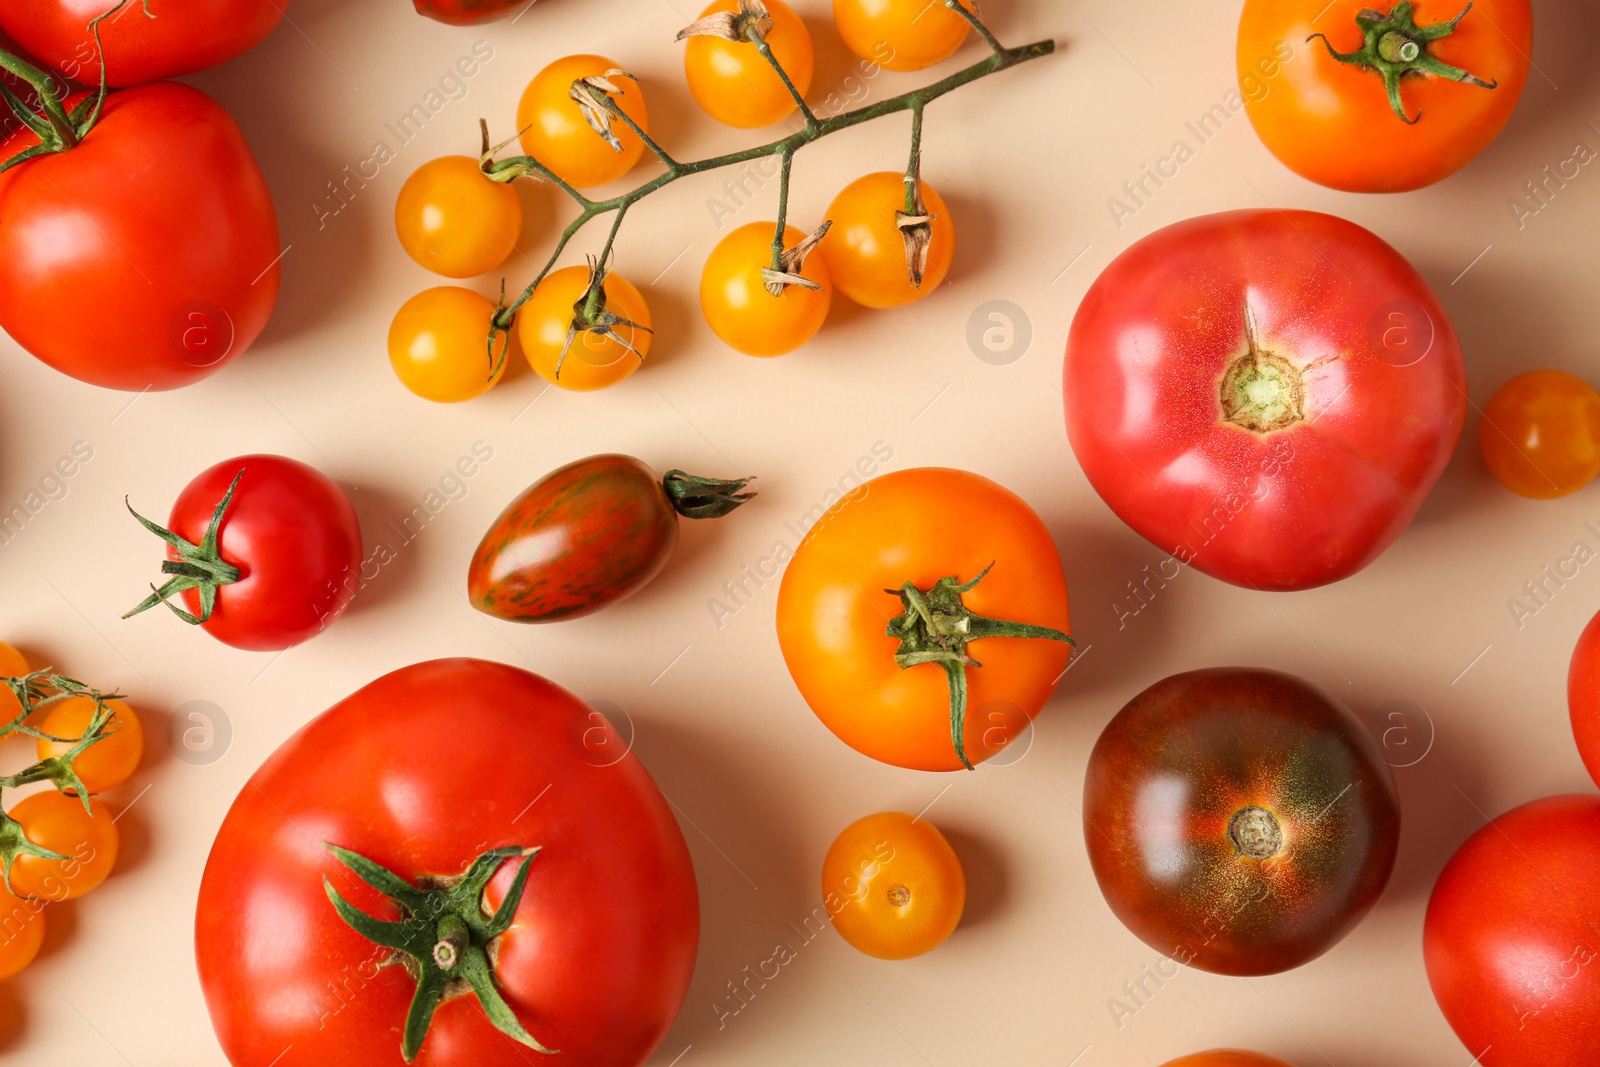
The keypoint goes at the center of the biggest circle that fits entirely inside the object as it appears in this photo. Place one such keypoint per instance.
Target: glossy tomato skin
(467, 12)
(183, 37)
(1383, 403)
(421, 771)
(921, 525)
(1510, 940)
(1332, 123)
(294, 534)
(582, 537)
(144, 258)
(1583, 696)
(1162, 803)
(1227, 1057)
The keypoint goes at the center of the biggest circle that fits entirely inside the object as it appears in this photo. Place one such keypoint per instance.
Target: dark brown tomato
(587, 535)
(1239, 820)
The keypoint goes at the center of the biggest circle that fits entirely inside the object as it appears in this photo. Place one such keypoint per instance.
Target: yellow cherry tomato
(58, 822)
(737, 305)
(12, 665)
(900, 34)
(439, 345)
(21, 932)
(108, 762)
(735, 84)
(454, 221)
(593, 361)
(893, 885)
(1541, 434)
(555, 132)
(866, 251)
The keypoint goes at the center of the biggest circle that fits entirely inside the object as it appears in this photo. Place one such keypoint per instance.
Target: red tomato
(183, 37)
(160, 223)
(1239, 820)
(288, 540)
(468, 12)
(1266, 395)
(1510, 938)
(423, 771)
(1583, 696)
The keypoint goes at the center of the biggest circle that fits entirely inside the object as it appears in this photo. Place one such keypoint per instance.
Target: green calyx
(937, 627)
(57, 128)
(705, 498)
(1395, 46)
(443, 938)
(197, 566)
(590, 315)
(36, 692)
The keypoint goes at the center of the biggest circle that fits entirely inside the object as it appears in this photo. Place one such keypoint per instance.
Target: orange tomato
(735, 84)
(454, 221)
(1227, 1057)
(740, 309)
(900, 34)
(555, 132)
(12, 665)
(439, 345)
(21, 932)
(893, 885)
(594, 361)
(1541, 434)
(920, 526)
(108, 762)
(865, 252)
(58, 822)
(1333, 122)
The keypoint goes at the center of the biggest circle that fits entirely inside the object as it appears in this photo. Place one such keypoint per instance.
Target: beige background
(1027, 161)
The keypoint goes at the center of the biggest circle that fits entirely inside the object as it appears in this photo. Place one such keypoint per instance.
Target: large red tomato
(264, 551)
(1583, 696)
(175, 36)
(1267, 395)
(440, 769)
(145, 257)
(1512, 936)
(1239, 820)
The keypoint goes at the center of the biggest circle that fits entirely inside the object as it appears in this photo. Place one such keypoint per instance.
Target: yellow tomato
(1541, 434)
(58, 822)
(439, 345)
(893, 885)
(21, 932)
(454, 221)
(738, 306)
(555, 132)
(12, 665)
(735, 84)
(594, 361)
(108, 762)
(866, 252)
(900, 34)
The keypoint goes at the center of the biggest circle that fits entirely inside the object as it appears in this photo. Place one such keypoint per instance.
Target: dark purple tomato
(1239, 820)
(468, 12)
(588, 535)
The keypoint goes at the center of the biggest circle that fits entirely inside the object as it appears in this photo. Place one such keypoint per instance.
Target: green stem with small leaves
(1394, 46)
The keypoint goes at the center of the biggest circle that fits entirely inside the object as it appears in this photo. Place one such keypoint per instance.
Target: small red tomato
(587, 535)
(1583, 696)
(1239, 820)
(1511, 939)
(261, 548)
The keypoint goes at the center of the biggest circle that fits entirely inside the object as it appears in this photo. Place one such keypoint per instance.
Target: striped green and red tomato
(588, 535)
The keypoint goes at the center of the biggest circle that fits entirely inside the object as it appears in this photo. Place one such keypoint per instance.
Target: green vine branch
(784, 149)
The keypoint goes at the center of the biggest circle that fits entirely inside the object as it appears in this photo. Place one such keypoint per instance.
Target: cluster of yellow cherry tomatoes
(454, 220)
(56, 820)
(1541, 434)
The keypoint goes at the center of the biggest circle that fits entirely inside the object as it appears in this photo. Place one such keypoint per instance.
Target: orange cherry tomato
(735, 84)
(454, 221)
(866, 252)
(1335, 123)
(12, 665)
(893, 885)
(594, 361)
(58, 822)
(900, 34)
(108, 762)
(1227, 1057)
(920, 527)
(1541, 434)
(21, 932)
(555, 132)
(439, 345)
(740, 309)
